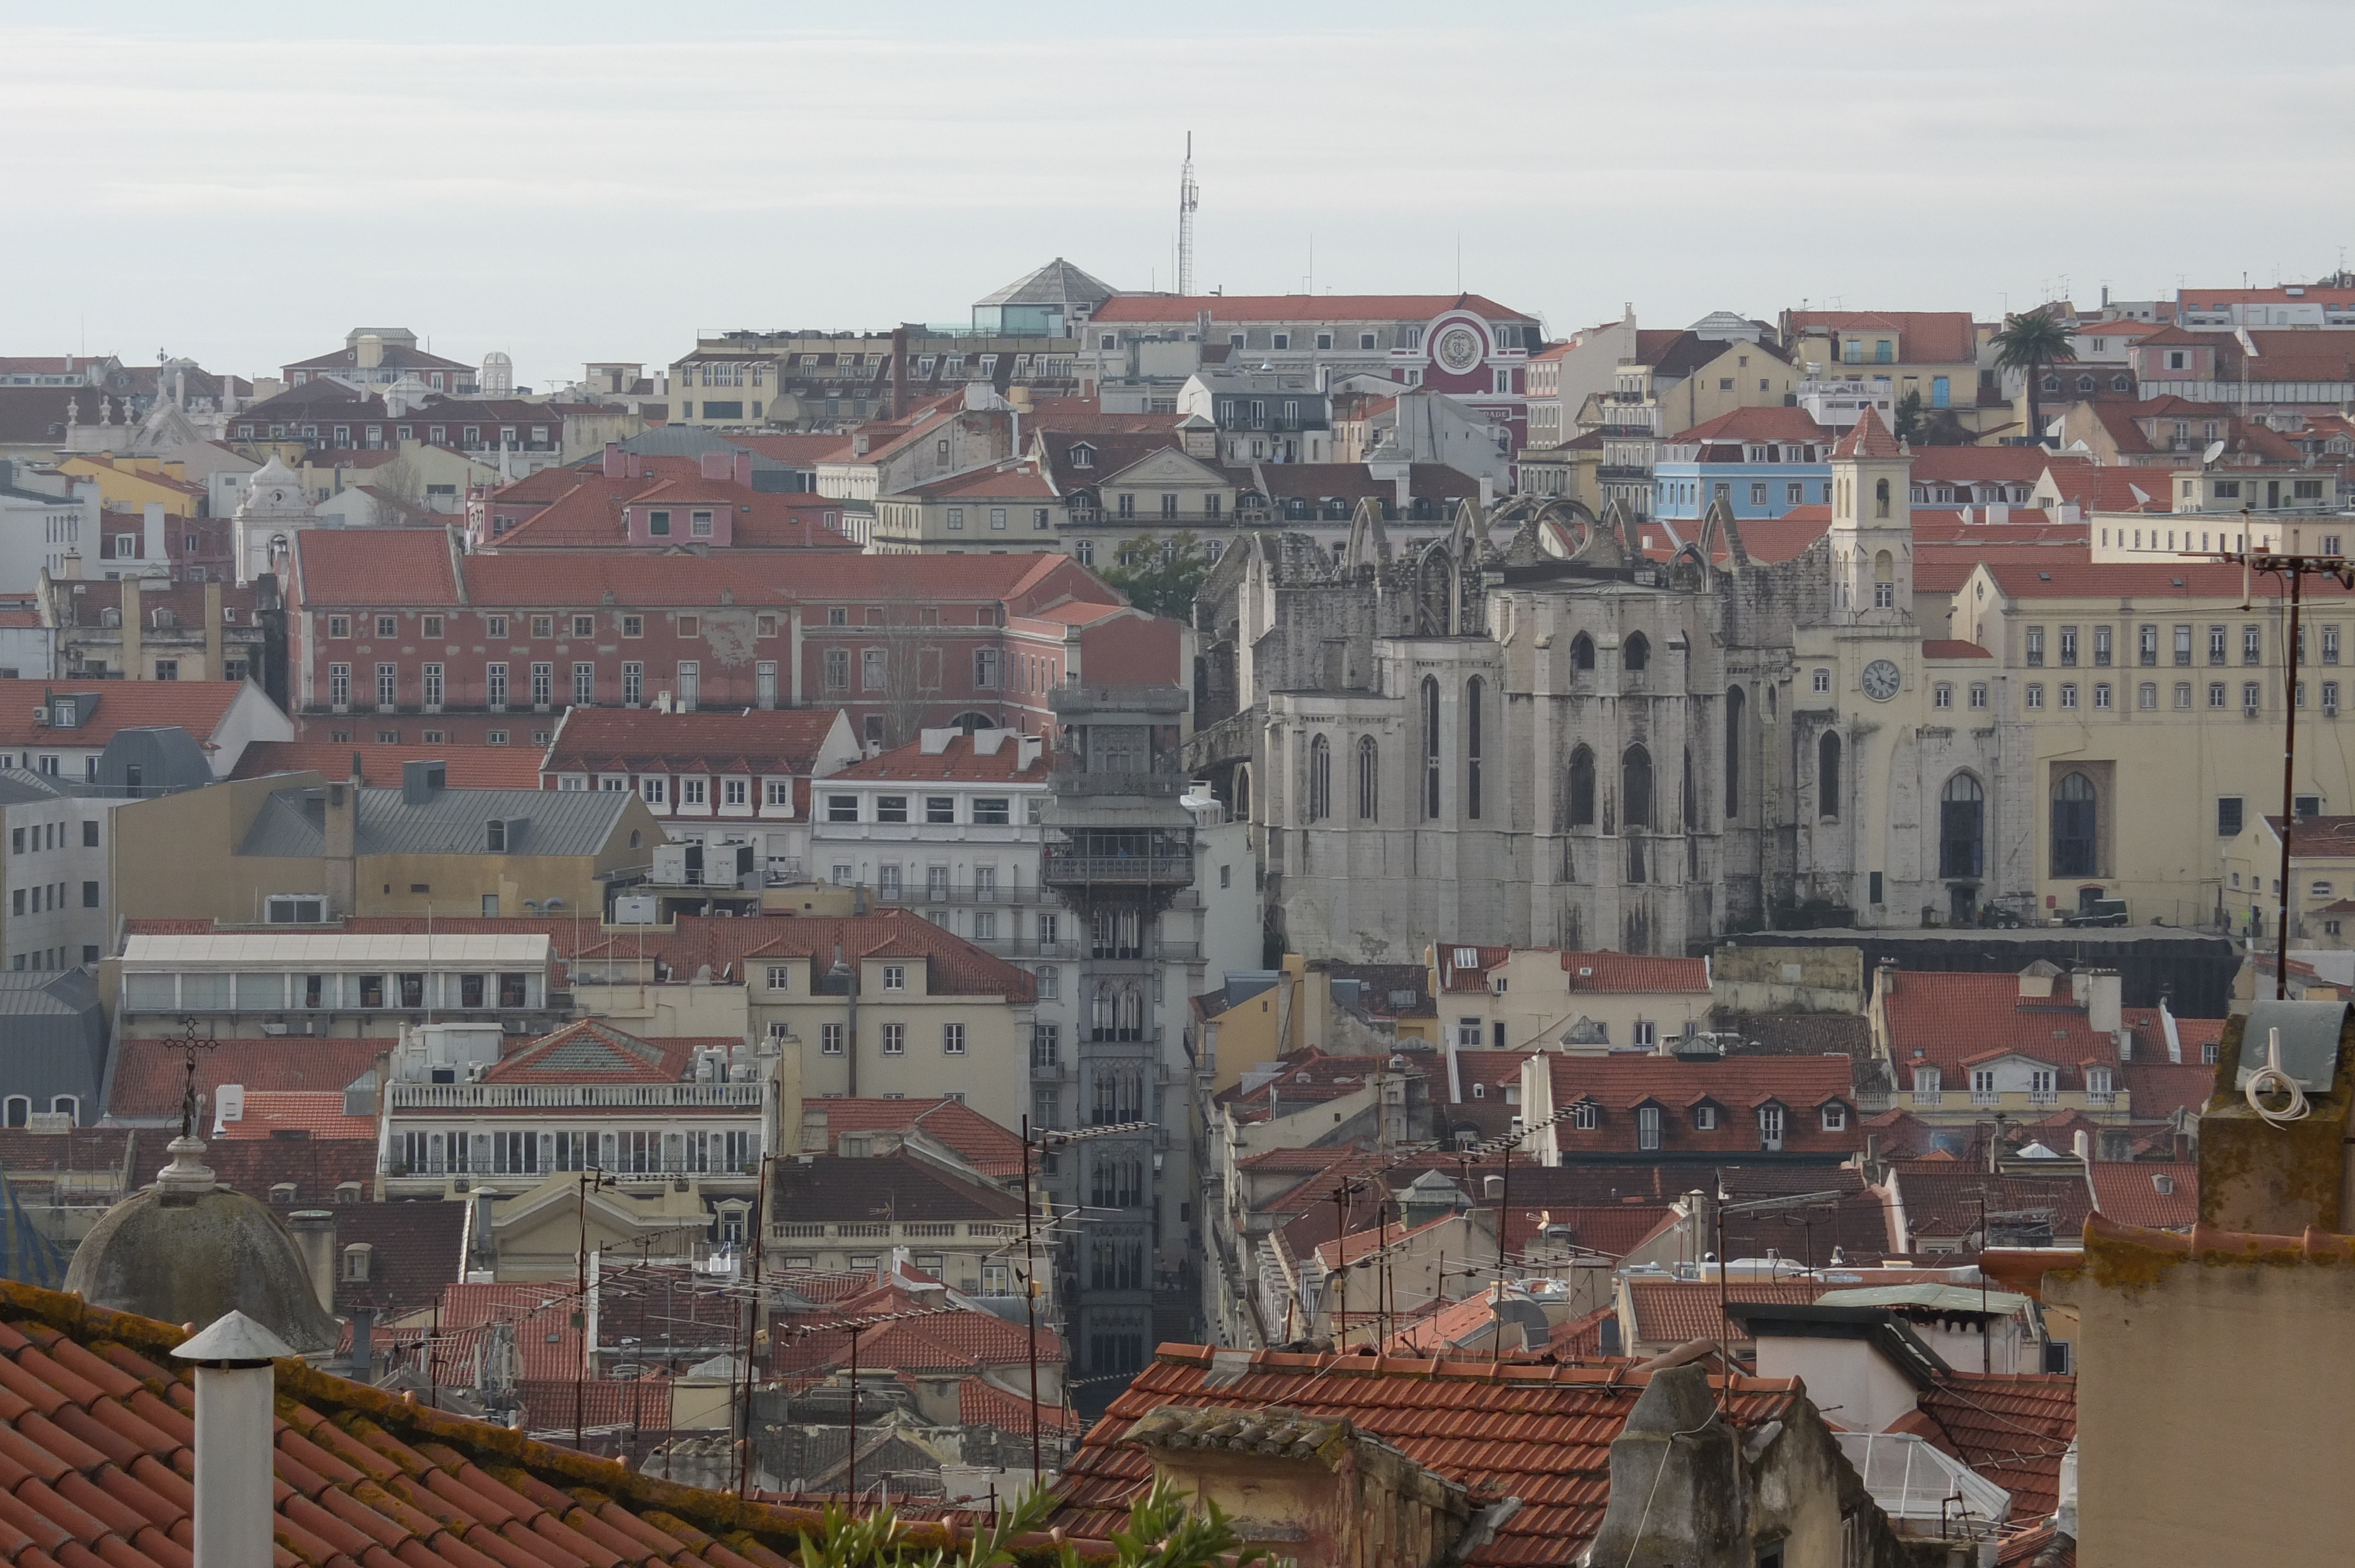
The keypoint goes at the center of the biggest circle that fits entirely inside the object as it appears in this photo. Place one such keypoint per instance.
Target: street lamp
(1029, 1260)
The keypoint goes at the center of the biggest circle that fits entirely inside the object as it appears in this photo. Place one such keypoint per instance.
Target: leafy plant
(1908, 416)
(2028, 342)
(1160, 576)
(1165, 1530)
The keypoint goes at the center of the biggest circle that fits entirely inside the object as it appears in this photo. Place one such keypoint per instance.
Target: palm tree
(2028, 342)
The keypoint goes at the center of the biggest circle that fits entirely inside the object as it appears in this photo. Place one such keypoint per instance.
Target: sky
(243, 183)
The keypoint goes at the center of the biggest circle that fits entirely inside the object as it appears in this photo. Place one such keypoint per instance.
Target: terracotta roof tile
(374, 566)
(317, 1112)
(827, 1187)
(1949, 647)
(1869, 439)
(2160, 1195)
(2157, 1089)
(761, 740)
(1940, 337)
(145, 1076)
(979, 1141)
(197, 707)
(1542, 1434)
(959, 762)
(1737, 1087)
(471, 767)
(1672, 1312)
(1610, 971)
(1948, 1021)
(363, 1477)
(981, 1404)
(2012, 1427)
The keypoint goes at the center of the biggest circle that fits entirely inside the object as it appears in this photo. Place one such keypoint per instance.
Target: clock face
(1458, 348)
(1880, 680)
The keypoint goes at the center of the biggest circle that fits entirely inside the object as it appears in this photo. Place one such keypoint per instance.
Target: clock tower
(1872, 529)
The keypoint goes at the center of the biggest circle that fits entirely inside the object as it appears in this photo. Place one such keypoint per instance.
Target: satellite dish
(2215, 450)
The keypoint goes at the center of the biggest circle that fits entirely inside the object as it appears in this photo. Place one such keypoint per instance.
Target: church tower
(1872, 525)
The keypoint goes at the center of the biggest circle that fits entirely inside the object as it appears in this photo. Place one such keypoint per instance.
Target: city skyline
(598, 195)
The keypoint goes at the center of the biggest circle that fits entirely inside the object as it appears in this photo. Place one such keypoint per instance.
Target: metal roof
(450, 821)
(227, 949)
(1057, 283)
(1935, 1297)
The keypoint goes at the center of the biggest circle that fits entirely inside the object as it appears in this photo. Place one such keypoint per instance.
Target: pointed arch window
(1735, 704)
(1473, 690)
(1880, 498)
(1582, 788)
(1827, 775)
(1635, 788)
(1962, 827)
(1320, 779)
(1429, 748)
(1635, 655)
(1581, 651)
(1370, 780)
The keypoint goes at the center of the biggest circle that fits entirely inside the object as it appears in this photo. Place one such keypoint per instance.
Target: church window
(1821, 682)
(1635, 788)
(1429, 748)
(1582, 788)
(1734, 701)
(1320, 779)
(1581, 651)
(1369, 778)
(1827, 775)
(1636, 655)
(1880, 498)
(1472, 694)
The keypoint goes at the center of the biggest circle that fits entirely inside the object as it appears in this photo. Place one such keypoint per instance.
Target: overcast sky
(243, 183)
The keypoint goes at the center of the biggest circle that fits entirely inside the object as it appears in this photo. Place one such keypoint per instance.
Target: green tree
(1163, 1531)
(2028, 342)
(1161, 575)
(1908, 416)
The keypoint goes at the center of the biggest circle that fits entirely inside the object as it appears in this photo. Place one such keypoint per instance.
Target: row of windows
(881, 672)
(982, 811)
(893, 1038)
(518, 1151)
(41, 836)
(2067, 695)
(540, 683)
(1586, 1115)
(2071, 648)
(767, 623)
(44, 896)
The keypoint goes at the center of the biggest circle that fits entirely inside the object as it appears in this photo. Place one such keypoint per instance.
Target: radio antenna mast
(1186, 200)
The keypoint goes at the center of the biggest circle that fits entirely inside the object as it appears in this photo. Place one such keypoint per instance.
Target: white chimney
(2104, 1002)
(235, 1392)
(153, 520)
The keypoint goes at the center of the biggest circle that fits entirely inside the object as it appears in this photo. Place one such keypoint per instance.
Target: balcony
(575, 1097)
(1987, 1099)
(1928, 1099)
(2043, 1099)
(1074, 870)
(1151, 785)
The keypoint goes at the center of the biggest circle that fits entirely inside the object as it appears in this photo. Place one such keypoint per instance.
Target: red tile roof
(1633, 972)
(2012, 1427)
(317, 1112)
(1946, 1201)
(1737, 1086)
(1769, 541)
(635, 740)
(2157, 1089)
(1963, 465)
(1948, 1021)
(1019, 480)
(102, 1452)
(1868, 438)
(1775, 423)
(826, 1187)
(1947, 648)
(983, 1404)
(471, 767)
(1673, 1311)
(2130, 1191)
(592, 1052)
(197, 707)
(145, 1079)
(982, 1144)
(1943, 337)
(1224, 308)
(954, 967)
(945, 1341)
(959, 763)
(1541, 1433)
(1455, 974)
(374, 566)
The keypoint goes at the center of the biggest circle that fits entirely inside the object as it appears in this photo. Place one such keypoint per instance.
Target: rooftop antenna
(1187, 198)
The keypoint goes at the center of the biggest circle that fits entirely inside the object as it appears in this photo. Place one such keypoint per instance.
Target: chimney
(483, 1248)
(339, 833)
(134, 658)
(370, 349)
(744, 470)
(216, 666)
(236, 1390)
(715, 465)
(899, 372)
(70, 568)
(362, 1365)
(315, 1235)
(2104, 1011)
(152, 519)
(616, 461)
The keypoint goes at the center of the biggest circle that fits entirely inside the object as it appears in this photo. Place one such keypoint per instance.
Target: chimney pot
(235, 1519)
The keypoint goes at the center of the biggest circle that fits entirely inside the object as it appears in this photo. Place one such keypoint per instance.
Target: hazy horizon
(578, 183)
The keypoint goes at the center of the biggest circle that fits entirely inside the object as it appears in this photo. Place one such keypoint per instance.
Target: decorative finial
(190, 1045)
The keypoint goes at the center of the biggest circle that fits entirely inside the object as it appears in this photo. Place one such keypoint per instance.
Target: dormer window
(495, 837)
(1083, 456)
(356, 1260)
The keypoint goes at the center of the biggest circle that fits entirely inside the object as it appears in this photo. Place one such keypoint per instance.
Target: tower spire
(1187, 198)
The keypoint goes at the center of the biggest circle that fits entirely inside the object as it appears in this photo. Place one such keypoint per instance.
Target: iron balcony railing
(574, 1096)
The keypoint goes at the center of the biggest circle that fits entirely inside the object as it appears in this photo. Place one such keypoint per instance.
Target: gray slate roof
(1057, 283)
(540, 822)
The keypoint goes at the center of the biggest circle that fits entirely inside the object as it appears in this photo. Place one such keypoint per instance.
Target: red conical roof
(1870, 438)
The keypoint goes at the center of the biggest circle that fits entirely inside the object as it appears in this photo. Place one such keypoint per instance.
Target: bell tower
(1872, 523)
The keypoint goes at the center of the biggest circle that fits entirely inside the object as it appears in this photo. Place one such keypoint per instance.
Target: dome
(187, 1251)
(273, 488)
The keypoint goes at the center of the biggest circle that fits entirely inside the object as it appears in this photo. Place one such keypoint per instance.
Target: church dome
(273, 487)
(187, 1251)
